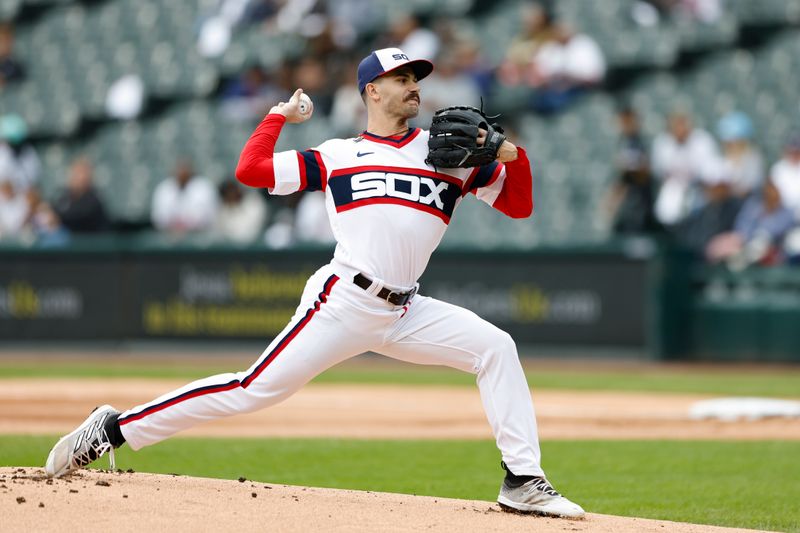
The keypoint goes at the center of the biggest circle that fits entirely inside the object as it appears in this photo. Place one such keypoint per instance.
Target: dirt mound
(124, 501)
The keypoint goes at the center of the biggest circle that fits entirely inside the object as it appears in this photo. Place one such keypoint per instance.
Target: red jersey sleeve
(282, 172)
(256, 166)
(506, 187)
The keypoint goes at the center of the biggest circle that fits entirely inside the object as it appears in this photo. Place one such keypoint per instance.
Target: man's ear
(371, 91)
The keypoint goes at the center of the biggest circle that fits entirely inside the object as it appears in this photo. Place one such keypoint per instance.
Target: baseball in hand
(305, 104)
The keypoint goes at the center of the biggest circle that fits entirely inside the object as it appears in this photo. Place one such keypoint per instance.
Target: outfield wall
(631, 294)
(134, 291)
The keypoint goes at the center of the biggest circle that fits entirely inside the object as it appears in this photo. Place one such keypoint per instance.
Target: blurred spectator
(352, 19)
(741, 161)
(563, 68)
(764, 213)
(282, 78)
(705, 11)
(43, 224)
(791, 246)
(446, 86)
(280, 231)
(19, 161)
(184, 202)
(786, 175)
(306, 18)
(632, 194)
(349, 114)
(11, 69)
(241, 214)
(234, 12)
(322, 44)
(216, 30)
(408, 34)
(13, 210)
(311, 223)
(470, 63)
(538, 28)
(716, 216)
(682, 158)
(310, 74)
(650, 13)
(250, 95)
(79, 207)
(258, 10)
(757, 233)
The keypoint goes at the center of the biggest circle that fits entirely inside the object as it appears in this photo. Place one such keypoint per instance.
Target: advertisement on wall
(548, 299)
(538, 299)
(201, 299)
(67, 300)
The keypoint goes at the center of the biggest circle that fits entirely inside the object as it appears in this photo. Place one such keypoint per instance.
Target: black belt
(396, 298)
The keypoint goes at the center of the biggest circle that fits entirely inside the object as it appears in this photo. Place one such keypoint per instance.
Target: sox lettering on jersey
(373, 184)
(357, 188)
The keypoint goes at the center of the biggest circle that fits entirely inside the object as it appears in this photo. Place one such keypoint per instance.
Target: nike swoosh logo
(361, 154)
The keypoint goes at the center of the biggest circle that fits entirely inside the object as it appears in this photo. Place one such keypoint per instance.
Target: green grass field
(743, 484)
(742, 382)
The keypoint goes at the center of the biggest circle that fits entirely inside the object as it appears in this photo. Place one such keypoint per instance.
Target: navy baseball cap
(386, 60)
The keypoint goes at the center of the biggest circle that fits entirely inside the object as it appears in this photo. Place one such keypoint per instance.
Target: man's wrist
(507, 152)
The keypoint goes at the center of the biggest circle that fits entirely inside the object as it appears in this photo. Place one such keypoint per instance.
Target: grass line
(743, 383)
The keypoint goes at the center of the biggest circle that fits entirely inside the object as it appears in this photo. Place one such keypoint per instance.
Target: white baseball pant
(337, 320)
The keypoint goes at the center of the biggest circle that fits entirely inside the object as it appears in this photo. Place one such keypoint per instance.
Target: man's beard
(404, 110)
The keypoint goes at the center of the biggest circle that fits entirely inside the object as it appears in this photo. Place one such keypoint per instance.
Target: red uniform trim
(397, 201)
(323, 297)
(301, 161)
(397, 142)
(182, 398)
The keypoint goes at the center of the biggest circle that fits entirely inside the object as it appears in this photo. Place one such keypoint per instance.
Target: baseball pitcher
(390, 194)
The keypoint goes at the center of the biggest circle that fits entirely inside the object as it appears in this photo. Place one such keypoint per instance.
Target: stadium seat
(71, 69)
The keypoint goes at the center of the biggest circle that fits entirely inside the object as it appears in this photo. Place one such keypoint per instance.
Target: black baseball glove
(454, 138)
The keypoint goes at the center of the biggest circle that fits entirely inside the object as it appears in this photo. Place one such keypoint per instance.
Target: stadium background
(567, 279)
(622, 335)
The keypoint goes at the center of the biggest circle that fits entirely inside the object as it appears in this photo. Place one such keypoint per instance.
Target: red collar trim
(394, 140)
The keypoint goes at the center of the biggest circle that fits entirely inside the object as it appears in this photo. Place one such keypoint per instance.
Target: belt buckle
(404, 297)
(395, 298)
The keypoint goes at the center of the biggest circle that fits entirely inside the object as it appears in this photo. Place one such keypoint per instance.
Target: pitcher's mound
(121, 502)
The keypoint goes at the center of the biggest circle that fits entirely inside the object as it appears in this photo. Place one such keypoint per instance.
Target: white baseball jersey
(388, 209)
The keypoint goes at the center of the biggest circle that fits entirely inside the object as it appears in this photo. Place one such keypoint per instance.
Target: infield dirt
(123, 502)
(54, 406)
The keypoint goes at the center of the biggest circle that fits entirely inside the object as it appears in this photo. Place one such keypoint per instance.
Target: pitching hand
(291, 109)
